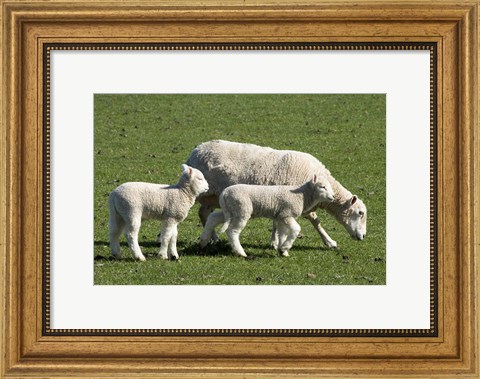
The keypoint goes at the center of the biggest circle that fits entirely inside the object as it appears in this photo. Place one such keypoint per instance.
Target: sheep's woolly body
(227, 163)
(132, 202)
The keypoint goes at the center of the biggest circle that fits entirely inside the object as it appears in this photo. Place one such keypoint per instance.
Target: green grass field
(147, 137)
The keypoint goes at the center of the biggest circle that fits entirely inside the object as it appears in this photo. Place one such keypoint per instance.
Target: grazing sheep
(131, 202)
(282, 204)
(227, 163)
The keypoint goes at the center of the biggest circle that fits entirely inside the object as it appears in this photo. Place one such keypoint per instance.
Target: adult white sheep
(227, 163)
(131, 202)
(282, 204)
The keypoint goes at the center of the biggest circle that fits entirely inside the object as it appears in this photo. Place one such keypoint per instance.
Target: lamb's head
(353, 216)
(322, 189)
(194, 179)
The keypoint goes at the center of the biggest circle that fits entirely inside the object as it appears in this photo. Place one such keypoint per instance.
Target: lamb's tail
(113, 213)
(226, 214)
(225, 224)
(111, 207)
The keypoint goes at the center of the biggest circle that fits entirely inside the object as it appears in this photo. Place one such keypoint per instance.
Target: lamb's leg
(274, 241)
(313, 218)
(290, 228)
(206, 208)
(132, 229)
(233, 232)
(215, 219)
(172, 245)
(117, 226)
(166, 235)
(282, 231)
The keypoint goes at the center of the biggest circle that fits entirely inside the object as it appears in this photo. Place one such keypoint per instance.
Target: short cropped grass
(147, 137)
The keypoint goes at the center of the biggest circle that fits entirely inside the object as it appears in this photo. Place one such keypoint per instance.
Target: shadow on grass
(254, 251)
(124, 244)
(126, 255)
(211, 250)
(218, 249)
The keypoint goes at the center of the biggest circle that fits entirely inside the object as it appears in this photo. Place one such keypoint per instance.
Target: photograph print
(240, 189)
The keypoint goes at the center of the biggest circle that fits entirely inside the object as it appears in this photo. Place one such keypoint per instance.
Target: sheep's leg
(172, 245)
(204, 211)
(313, 218)
(117, 226)
(291, 230)
(166, 235)
(233, 232)
(131, 231)
(274, 240)
(215, 219)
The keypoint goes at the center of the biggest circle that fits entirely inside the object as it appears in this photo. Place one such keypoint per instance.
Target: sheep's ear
(314, 179)
(353, 200)
(190, 171)
(185, 168)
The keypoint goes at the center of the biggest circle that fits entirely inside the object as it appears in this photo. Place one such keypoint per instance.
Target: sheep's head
(354, 218)
(322, 189)
(195, 179)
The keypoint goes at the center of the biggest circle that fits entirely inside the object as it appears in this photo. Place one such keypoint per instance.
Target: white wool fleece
(274, 202)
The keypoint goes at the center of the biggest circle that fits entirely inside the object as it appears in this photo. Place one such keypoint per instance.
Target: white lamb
(227, 163)
(282, 204)
(131, 202)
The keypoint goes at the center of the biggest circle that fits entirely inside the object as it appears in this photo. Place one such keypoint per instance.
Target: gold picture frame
(30, 27)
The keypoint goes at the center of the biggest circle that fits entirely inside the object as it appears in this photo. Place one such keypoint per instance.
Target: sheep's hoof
(141, 258)
(203, 242)
(164, 257)
(174, 258)
(284, 253)
(330, 244)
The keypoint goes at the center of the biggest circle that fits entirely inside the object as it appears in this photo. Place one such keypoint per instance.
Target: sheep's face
(196, 180)
(354, 218)
(322, 189)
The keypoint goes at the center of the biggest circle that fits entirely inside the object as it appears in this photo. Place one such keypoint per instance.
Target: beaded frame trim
(46, 303)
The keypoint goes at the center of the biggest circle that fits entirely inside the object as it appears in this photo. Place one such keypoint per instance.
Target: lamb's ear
(314, 179)
(353, 200)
